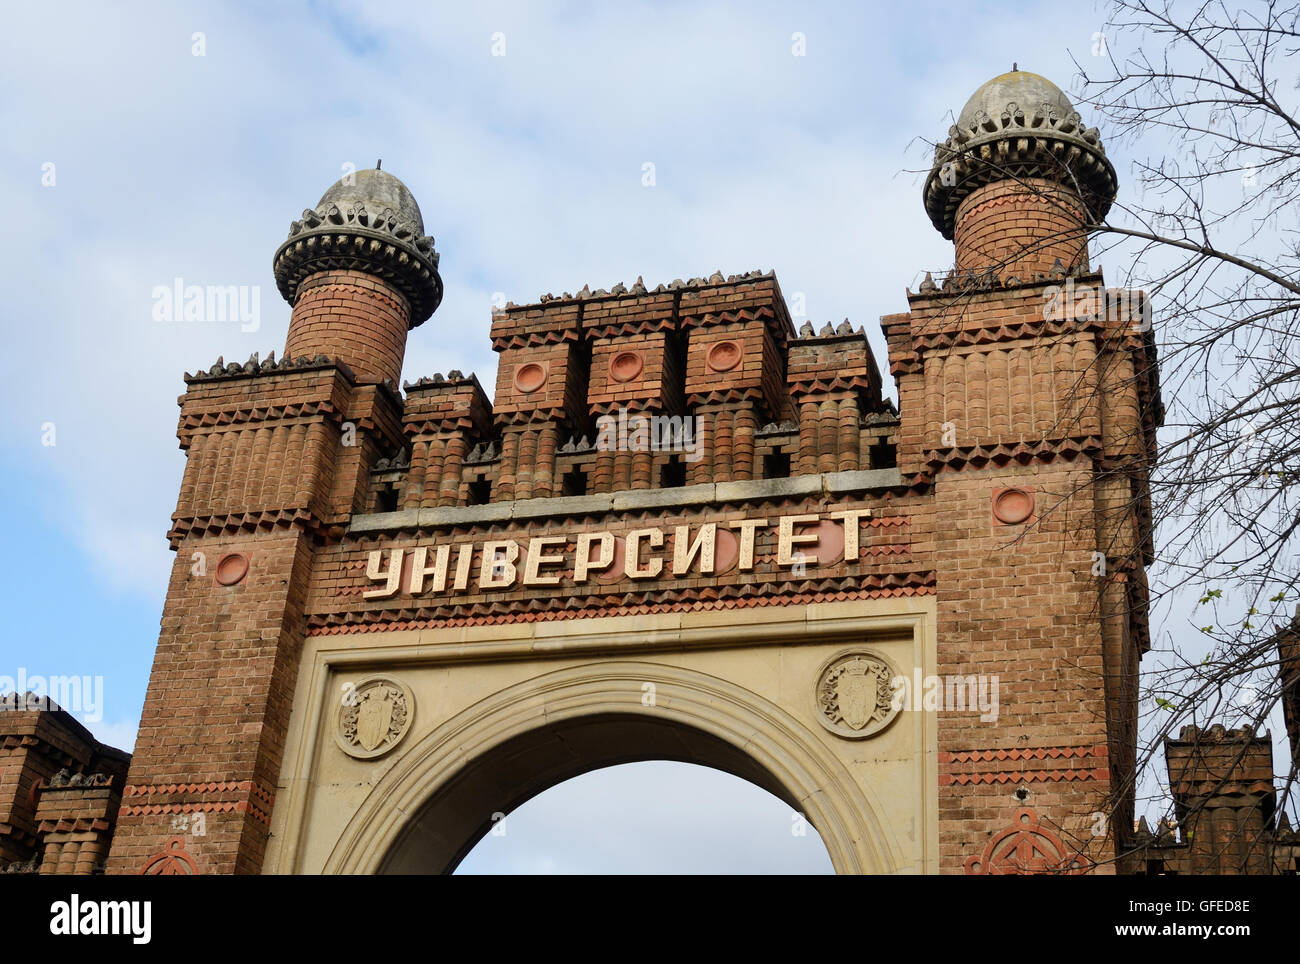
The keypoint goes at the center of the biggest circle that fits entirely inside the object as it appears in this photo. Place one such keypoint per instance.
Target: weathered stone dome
(1017, 125)
(376, 189)
(1016, 86)
(367, 221)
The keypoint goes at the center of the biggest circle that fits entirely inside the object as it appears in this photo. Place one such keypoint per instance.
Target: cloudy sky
(145, 143)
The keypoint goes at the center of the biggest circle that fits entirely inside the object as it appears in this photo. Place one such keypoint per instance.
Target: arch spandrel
(429, 809)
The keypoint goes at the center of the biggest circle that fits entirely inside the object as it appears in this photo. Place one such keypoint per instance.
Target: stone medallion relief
(374, 717)
(854, 695)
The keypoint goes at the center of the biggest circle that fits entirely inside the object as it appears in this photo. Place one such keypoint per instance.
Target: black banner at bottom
(223, 915)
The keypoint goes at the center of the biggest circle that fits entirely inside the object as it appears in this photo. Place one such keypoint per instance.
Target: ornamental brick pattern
(1020, 229)
(1007, 490)
(358, 319)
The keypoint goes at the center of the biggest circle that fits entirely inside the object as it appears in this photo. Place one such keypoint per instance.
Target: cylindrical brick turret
(1019, 180)
(360, 273)
(1020, 228)
(352, 316)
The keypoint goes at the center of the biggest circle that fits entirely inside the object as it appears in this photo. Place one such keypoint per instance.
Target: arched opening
(440, 797)
(497, 783)
(655, 817)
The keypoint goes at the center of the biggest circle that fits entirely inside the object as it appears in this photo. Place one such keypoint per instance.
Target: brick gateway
(396, 614)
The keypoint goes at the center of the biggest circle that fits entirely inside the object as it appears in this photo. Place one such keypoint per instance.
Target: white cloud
(651, 818)
(120, 734)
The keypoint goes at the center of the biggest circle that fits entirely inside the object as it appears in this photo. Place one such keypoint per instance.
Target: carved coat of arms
(855, 695)
(374, 716)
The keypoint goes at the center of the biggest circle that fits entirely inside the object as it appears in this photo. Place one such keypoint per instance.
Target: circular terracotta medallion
(724, 356)
(530, 377)
(232, 568)
(1013, 506)
(626, 365)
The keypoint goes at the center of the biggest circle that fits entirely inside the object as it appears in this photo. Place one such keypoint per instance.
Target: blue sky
(528, 170)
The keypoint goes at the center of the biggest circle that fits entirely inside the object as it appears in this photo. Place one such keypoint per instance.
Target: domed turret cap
(1017, 125)
(368, 221)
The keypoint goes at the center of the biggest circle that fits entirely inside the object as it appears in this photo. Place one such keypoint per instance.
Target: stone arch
(432, 806)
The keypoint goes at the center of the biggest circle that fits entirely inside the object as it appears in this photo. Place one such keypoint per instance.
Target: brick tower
(1029, 401)
(673, 492)
(277, 453)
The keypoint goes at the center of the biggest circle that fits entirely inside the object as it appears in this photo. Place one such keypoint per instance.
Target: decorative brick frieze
(1015, 765)
(223, 796)
(618, 606)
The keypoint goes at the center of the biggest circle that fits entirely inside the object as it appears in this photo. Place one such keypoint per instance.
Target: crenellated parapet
(540, 394)
(444, 420)
(1226, 819)
(52, 766)
(279, 444)
(589, 385)
(76, 816)
(834, 381)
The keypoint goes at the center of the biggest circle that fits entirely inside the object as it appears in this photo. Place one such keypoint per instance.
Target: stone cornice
(631, 500)
(353, 239)
(1024, 141)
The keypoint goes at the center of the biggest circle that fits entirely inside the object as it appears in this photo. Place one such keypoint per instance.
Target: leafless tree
(1203, 97)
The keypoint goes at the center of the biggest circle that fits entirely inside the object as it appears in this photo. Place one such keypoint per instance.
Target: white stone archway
(437, 799)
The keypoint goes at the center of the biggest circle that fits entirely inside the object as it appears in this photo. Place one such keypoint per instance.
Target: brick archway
(437, 800)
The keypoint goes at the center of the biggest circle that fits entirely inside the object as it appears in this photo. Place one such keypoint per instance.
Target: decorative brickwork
(43, 747)
(678, 528)
(1027, 847)
(1021, 228)
(353, 317)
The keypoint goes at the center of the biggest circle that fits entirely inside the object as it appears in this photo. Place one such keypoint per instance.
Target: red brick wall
(217, 709)
(354, 317)
(1020, 603)
(1020, 228)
